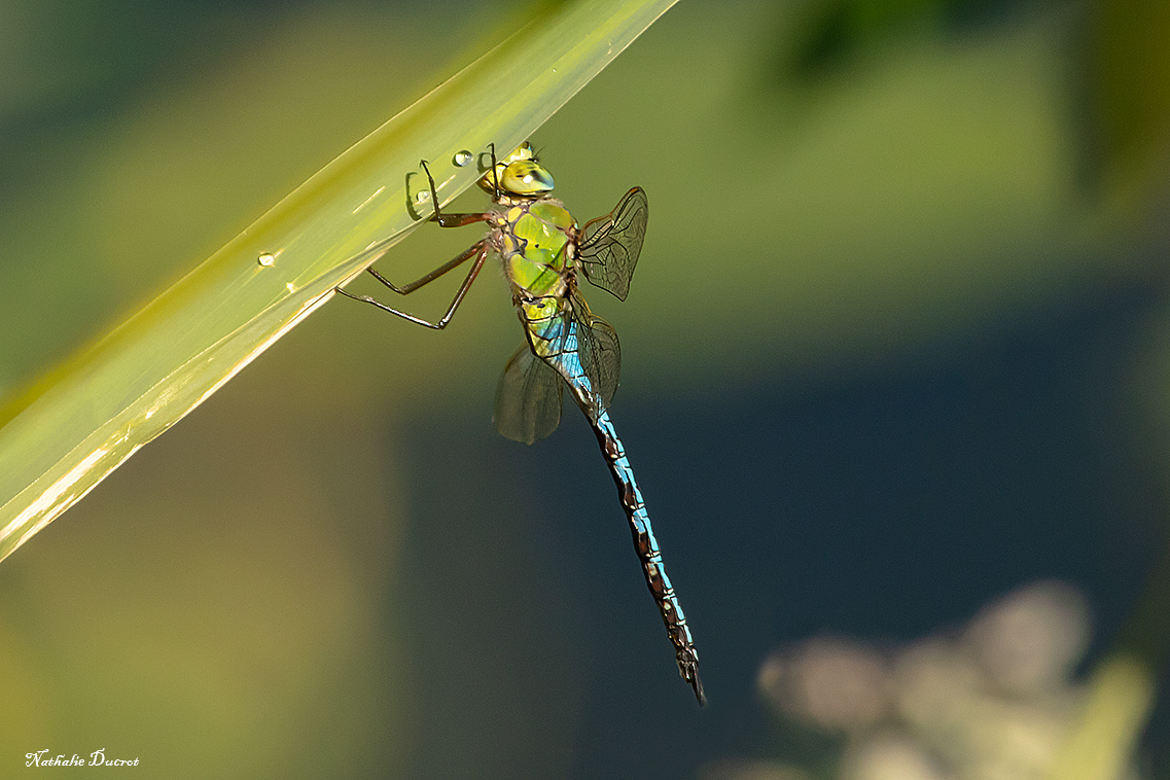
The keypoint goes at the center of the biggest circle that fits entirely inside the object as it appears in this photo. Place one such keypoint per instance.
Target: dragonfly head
(519, 174)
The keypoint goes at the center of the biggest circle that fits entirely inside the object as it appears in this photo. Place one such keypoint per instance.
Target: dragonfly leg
(448, 220)
(495, 176)
(479, 251)
(406, 289)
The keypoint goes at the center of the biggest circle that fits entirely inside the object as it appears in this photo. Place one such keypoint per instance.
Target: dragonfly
(542, 249)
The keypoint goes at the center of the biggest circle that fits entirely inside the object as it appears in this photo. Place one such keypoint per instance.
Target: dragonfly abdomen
(648, 552)
(568, 365)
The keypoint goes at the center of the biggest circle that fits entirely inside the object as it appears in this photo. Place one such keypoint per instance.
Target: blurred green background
(898, 345)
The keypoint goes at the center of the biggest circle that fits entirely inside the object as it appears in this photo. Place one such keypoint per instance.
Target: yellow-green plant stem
(1121, 690)
(64, 434)
(1118, 702)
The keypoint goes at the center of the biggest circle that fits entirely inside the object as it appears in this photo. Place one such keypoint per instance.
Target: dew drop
(422, 196)
(461, 158)
(266, 259)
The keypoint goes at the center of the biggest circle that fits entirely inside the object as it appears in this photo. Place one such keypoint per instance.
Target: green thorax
(537, 242)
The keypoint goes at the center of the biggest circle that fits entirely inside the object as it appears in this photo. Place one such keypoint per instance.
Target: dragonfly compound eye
(526, 177)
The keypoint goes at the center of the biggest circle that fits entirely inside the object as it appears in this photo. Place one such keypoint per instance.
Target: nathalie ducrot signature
(96, 758)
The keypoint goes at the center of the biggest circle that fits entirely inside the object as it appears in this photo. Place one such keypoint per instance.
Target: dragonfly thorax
(537, 241)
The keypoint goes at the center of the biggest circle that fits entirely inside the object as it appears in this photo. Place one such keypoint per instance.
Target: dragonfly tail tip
(697, 686)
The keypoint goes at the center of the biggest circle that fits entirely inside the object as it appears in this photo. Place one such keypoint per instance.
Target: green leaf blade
(63, 435)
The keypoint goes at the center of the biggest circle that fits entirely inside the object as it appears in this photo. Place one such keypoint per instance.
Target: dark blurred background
(895, 384)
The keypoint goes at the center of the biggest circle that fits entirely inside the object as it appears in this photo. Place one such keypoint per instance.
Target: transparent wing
(528, 399)
(610, 245)
(599, 349)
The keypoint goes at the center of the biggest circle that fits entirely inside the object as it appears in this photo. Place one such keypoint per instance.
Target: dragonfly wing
(610, 245)
(528, 399)
(600, 351)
